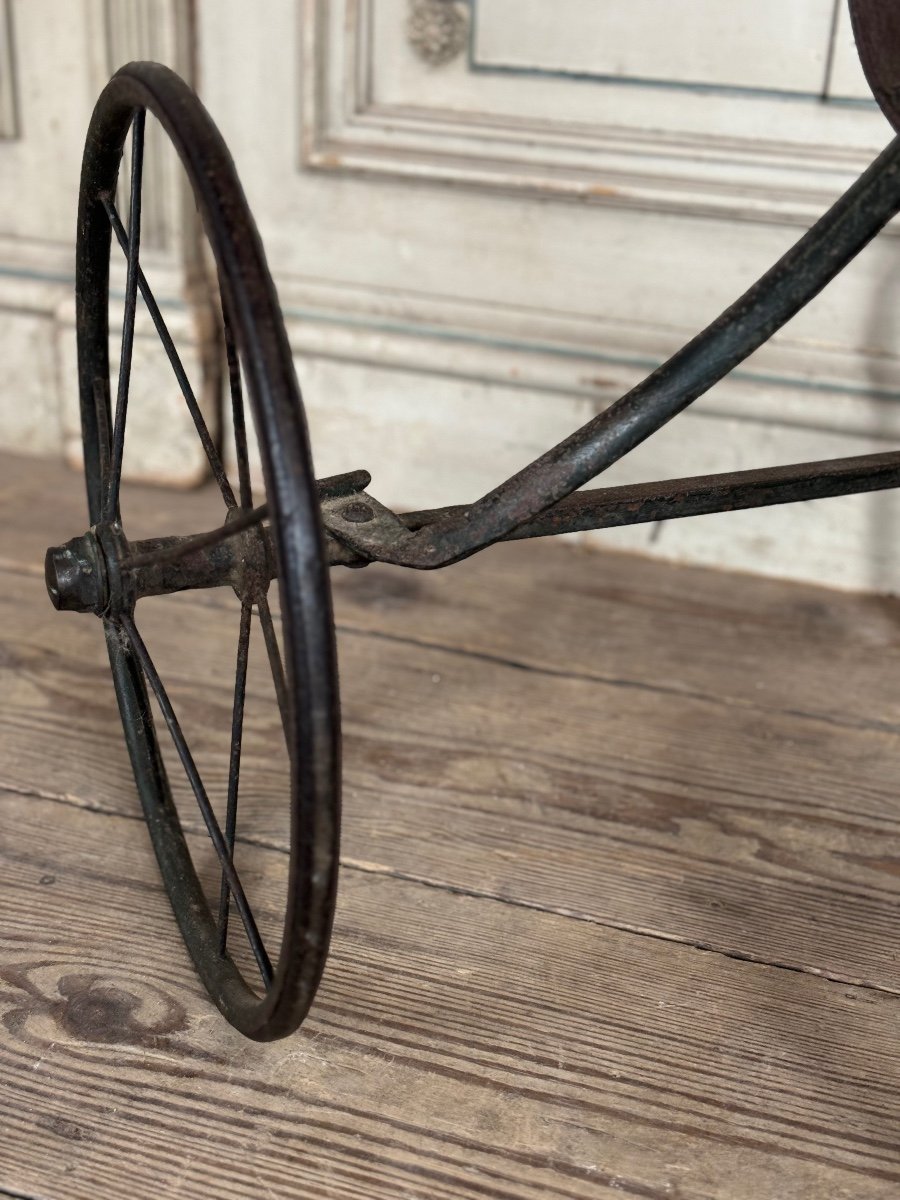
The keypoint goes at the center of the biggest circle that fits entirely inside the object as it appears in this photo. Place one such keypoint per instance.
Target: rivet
(358, 513)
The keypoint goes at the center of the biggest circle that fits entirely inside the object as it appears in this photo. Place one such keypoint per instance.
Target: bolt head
(358, 513)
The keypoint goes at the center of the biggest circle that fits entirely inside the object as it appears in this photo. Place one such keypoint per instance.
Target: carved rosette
(438, 30)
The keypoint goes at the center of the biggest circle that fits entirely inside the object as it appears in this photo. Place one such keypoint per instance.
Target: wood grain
(460, 1048)
(594, 808)
(761, 834)
(744, 640)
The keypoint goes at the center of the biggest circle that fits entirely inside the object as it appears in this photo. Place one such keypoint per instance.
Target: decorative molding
(705, 50)
(438, 30)
(157, 31)
(354, 348)
(843, 391)
(388, 383)
(346, 128)
(9, 125)
(853, 392)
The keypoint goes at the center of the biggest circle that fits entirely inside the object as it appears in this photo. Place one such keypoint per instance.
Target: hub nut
(75, 577)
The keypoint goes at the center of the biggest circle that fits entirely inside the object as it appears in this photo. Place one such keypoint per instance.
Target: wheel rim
(255, 334)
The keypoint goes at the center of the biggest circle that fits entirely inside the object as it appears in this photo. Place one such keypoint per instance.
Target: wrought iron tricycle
(305, 526)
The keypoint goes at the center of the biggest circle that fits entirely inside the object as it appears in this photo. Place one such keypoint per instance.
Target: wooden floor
(619, 903)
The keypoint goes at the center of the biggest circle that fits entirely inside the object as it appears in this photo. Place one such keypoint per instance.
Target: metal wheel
(104, 573)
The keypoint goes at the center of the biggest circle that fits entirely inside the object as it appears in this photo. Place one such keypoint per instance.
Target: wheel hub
(76, 575)
(101, 572)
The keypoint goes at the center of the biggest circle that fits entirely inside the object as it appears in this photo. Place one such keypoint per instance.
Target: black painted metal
(777, 296)
(667, 500)
(305, 526)
(235, 887)
(234, 766)
(165, 337)
(294, 538)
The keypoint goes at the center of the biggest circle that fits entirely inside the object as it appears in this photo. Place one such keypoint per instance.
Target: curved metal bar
(820, 255)
(670, 499)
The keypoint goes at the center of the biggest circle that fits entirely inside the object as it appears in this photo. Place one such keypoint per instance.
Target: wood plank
(463, 1046)
(460, 1048)
(756, 644)
(774, 838)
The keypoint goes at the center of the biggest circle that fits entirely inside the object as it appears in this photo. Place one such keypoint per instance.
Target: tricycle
(302, 527)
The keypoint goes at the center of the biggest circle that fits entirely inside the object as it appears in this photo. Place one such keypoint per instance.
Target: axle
(102, 572)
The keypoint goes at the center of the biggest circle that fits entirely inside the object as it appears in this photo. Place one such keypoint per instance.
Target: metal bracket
(364, 526)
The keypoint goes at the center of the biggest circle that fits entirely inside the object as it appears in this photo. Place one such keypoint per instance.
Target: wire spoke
(237, 408)
(275, 663)
(209, 446)
(215, 833)
(111, 505)
(234, 766)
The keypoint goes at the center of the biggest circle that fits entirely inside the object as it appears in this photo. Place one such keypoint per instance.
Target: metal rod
(794, 280)
(111, 504)
(209, 817)
(347, 484)
(234, 766)
(596, 508)
(199, 541)
(212, 454)
(666, 500)
(274, 652)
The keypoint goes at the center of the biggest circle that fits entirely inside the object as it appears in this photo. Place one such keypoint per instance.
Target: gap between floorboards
(863, 724)
(367, 868)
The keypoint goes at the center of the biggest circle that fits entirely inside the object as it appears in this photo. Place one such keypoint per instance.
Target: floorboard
(617, 913)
